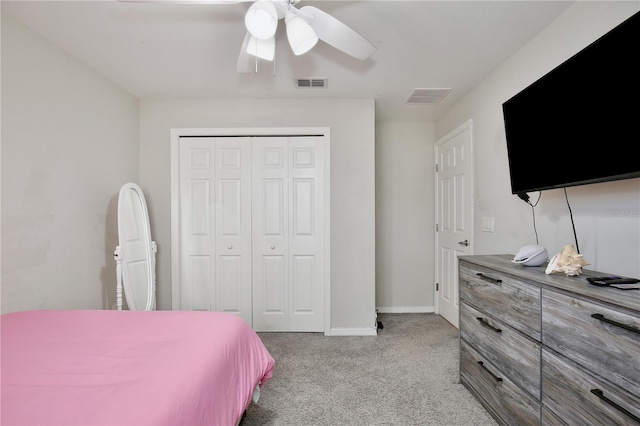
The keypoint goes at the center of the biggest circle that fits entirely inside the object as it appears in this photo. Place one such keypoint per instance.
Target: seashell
(568, 261)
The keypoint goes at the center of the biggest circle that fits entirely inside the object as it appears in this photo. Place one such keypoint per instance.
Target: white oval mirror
(135, 254)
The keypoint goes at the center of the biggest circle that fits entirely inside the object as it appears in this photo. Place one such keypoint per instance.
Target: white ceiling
(168, 50)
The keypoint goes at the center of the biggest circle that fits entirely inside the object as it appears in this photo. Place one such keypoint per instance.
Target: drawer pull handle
(486, 324)
(496, 378)
(491, 280)
(616, 323)
(600, 394)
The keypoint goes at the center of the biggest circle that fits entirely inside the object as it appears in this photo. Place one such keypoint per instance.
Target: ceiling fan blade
(262, 48)
(246, 62)
(333, 32)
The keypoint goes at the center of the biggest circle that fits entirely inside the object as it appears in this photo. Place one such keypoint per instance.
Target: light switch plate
(487, 224)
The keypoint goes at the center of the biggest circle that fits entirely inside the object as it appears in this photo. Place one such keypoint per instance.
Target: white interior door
(215, 227)
(454, 215)
(288, 234)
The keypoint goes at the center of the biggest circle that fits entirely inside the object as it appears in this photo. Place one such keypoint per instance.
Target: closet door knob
(229, 247)
(273, 247)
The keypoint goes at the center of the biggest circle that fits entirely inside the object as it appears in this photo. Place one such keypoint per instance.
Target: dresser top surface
(578, 285)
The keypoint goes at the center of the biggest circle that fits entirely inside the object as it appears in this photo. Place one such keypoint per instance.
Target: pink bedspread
(128, 368)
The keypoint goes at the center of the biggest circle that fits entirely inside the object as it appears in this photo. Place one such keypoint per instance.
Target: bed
(92, 367)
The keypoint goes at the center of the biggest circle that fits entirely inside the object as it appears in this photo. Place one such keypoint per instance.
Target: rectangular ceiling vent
(319, 83)
(428, 96)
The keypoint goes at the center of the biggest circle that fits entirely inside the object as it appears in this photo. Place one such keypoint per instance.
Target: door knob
(464, 243)
(273, 247)
(229, 247)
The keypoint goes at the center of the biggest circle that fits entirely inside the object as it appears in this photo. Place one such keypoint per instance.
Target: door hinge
(437, 286)
(436, 167)
(437, 228)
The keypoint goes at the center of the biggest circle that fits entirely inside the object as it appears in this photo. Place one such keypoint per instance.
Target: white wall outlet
(487, 224)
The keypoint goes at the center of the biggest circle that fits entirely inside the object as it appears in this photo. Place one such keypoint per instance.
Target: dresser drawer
(517, 356)
(567, 390)
(502, 296)
(550, 419)
(503, 398)
(604, 341)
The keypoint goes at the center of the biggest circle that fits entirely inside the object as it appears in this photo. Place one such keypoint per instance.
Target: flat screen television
(580, 123)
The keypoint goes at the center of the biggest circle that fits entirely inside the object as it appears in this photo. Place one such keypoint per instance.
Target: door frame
(469, 210)
(177, 133)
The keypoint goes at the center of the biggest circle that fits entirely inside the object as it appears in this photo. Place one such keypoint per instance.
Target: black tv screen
(580, 123)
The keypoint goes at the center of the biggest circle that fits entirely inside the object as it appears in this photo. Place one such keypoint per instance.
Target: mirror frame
(143, 229)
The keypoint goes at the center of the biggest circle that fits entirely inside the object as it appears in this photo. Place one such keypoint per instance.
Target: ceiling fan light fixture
(262, 48)
(300, 34)
(261, 19)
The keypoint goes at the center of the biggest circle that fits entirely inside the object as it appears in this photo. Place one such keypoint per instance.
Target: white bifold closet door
(251, 213)
(215, 228)
(288, 247)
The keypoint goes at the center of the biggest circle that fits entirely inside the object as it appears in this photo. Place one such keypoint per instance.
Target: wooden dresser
(548, 349)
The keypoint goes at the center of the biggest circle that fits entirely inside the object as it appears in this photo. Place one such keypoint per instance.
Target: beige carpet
(406, 375)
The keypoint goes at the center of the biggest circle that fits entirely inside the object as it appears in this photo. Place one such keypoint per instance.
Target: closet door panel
(215, 190)
(270, 208)
(197, 191)
(233, 226)
(303, 295)
(273, 214)
(303, 208)
(229, 284)
(306, 230)
(274, 292)
(199, 291)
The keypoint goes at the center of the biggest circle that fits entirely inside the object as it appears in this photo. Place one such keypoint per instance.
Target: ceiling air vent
(319, 83)
(428, 96)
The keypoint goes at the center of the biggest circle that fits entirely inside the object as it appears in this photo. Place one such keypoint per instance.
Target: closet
(252, 237)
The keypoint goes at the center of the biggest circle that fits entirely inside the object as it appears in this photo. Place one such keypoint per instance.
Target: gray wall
(405, 217)
(69, 141)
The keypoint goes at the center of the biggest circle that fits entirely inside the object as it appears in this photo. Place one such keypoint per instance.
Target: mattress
(92, 367)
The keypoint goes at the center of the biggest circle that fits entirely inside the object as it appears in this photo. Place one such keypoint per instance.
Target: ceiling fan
(304, 26)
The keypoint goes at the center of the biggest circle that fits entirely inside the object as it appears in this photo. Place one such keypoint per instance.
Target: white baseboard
(381, 310)
(406, 310)
(353, 332)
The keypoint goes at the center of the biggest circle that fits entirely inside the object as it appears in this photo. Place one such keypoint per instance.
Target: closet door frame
(178, 133)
